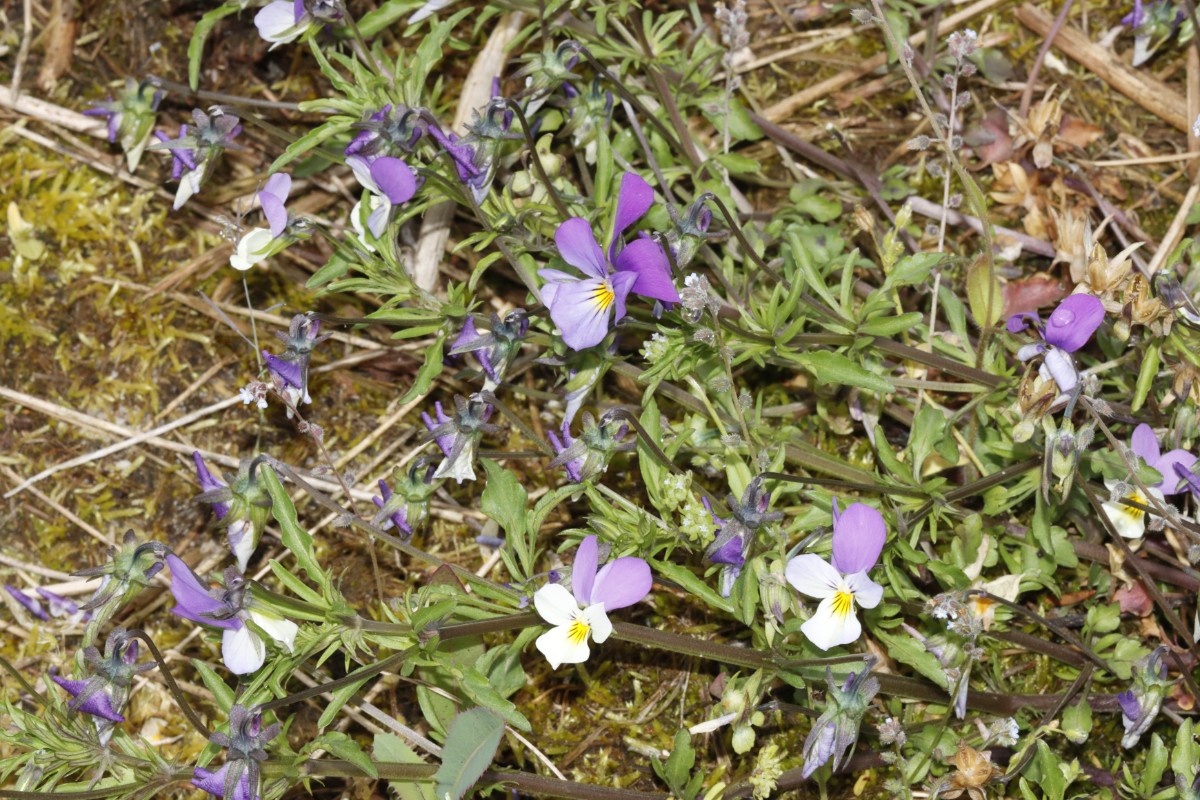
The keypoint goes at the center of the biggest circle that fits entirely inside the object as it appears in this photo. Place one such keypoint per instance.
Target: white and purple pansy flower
(1130, 522)
(1069, 327)
(390, 182)
(583, 613)
(584, 307)
(842, 583)
(242, 648)
(256, 245)
(282, 21)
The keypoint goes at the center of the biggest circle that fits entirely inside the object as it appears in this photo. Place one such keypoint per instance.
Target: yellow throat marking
(1134, 513)
(578, 632)
(843, 603)
(604, 295)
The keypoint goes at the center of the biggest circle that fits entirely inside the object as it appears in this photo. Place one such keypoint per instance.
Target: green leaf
(391, 749)
(299, 588)
(738, 164)
(1146, 374)
(470, 747)
(1077, 721)
(891, 325)
(294, 538)
(310, 141)
(428, 372)
(677, 770)
(477, 687)
(908, 650)
(338, 700)
(200, 33)
(504, 499)
(1156, 763)
(829, 367)
(345, 748)
(692, 584)
(983, 287)
(221, 691)
(912, 269)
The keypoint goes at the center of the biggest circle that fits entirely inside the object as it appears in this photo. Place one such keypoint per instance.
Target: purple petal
(98, 705)
(214, 783)
(62, 607)
(395, 178)
(583, 572)
(288, 372)
(645, 258)
(622, 583)
(858, 538)
(466, 336)
(1074, 322)
(633, 201)
(191, 598)
(622, 284)
(1129, 704)
(30, 604)
(1019, 322)
(298, 11)
(209, 483)
(582, 313)
(1166, 466)
(1144, 444)
(272, 199)
(578, 247)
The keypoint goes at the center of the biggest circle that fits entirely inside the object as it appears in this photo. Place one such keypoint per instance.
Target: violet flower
(242, 648)
(130, 567)
(289, 371)
(496, 348)
(835, 732)
(458, 435)
(30, 604)
(199, 149)
(1069, 327)
(243, 507)
(105, 693)
(1141, 703)
(397, 517)
(588, 456)
(616, 585)
(1130, 522)
(131, 118)
(260, 243)
(283, 21)
(859, 534)
(473, 168)
(387, 131)
(55, 605)
(735, 535)
(246, 745)
(389, 181)
(583, 308)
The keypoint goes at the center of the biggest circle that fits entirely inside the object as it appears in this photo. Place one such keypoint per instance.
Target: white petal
(241, 536)
(559, 647)
(189, 184)
(597, 620)
(1007, 586)
(461, 468)
(555, 604)
(867, 593)
(377, 222)
(283, 631)
(1130, 523)
(250, 249)
(812, 575)
(242, 651)
(828, 628)
(362, 171)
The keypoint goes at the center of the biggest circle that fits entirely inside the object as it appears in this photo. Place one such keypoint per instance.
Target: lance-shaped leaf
(470, 747)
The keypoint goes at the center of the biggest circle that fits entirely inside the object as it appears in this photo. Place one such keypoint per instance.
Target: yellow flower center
(843, 603)
(1134, 513)
(578, 632)
(604, 295)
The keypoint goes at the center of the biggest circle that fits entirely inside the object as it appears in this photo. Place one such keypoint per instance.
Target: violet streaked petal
(1072, 324)
(577, 245)
(98, 705)
(645, 258)
(858, 539)
(395, 179)
(582, 311)
(622, 582)
(583, 572)
(214, 783)
(1144, 444)
(633, 201)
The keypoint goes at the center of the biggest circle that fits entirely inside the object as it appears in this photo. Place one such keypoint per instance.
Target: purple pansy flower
(214, 783)
(1145, 446)
(399, 517)
(240, 530)
(466, 157)
(31, 604)
(458, 435)
(572, 462)
(260, 243)
(859, 534)
(1068, 328)
(98, 704)
(282, 21)
(495, 348)
(616, 585)
(246, 745)
(582, 307)
(735, 535)
(104, 693)
(387, 130)
(55, 605)
(589, 454)
(130, 118)
(390, 181)
(242, 649)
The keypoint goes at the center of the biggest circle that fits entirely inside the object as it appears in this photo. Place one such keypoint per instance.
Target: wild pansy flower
(289, 371)
(243, 507)
(859, 534)
(690, 231)
(387, 131)
(246, 745)
(1069, 327)
(282, 229)
(393, 511)
(834, 733)
(1153, 25)
(574, 618)
(195, 152)
(389, 182)
(458, 435)
(471, 162)
(55, 605)
(589, 113)
(131, 118)
(242, 648)
(1128, 521)
(496, 347)
(287, 20)
(130, 567)
(735, 535)
(584, 308)
(407, 507)
(588, 456)
(104, 694)
(1141, 703)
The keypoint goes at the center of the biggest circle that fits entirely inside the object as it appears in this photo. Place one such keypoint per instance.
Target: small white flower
(567, 641)
(251, 249)
(1128, 521)
(834, 622)
(189, 184)
(279, 22)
